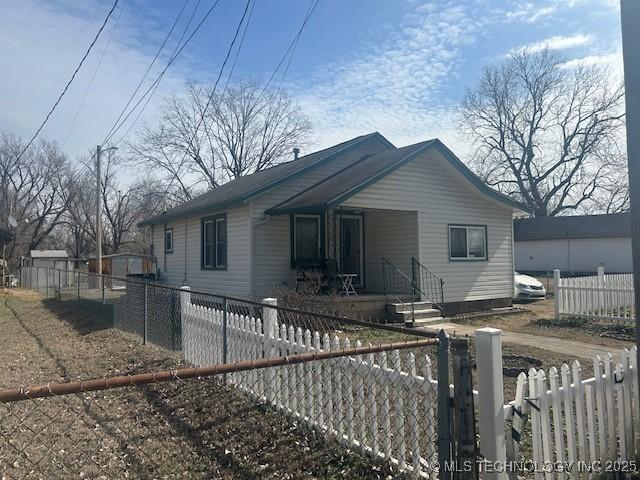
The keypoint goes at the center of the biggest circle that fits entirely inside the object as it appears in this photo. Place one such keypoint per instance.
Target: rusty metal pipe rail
(57, 389)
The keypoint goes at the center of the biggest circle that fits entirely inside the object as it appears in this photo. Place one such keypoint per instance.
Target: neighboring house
(578, 244)
(345, 208)
(123, 264)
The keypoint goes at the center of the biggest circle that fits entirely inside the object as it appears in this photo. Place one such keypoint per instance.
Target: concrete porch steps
(423, 313)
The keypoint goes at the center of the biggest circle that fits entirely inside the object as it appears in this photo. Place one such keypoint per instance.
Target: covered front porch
(339, 246)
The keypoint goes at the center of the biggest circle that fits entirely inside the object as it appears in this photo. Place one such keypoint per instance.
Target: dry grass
(537, 318)
(189, 429)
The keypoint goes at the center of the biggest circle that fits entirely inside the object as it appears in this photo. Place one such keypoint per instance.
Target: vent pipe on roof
(296, 153)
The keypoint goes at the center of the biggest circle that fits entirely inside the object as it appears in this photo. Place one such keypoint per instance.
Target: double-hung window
(467, 242)
(168, 240)
(214, 242)
(306, 238)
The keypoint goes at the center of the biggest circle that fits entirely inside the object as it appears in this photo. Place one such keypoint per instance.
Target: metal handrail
(428, 284)
(398, 285)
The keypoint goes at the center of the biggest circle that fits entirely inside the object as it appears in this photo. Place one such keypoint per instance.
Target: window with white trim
(214, 243)
(467, 242)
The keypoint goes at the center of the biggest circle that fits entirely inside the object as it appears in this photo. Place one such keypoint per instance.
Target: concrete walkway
(553, 344)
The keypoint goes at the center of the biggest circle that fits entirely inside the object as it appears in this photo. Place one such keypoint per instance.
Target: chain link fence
(342, 382)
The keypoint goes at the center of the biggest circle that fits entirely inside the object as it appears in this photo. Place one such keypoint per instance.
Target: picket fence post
(491, 399)
(270, 326)
(556, 293)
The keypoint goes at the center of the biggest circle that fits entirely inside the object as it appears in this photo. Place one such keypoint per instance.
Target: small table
(347, 283)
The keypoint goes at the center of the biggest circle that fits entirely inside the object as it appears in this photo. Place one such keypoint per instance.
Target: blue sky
(396, 66)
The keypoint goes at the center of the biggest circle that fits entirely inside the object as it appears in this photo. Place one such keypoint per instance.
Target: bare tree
(33, 191)
(206, 138)
(545, 132)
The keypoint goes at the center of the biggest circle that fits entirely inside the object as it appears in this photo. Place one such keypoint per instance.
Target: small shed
(57, 259)
(123, 264)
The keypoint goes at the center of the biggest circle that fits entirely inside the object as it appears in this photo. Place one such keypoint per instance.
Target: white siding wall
(575, 255)
(393, 235)
(272, 257)
(442, 196)
(232, 281)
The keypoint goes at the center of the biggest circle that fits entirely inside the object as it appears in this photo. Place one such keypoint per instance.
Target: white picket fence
(606, 297)
(382, 404)
(576, 420)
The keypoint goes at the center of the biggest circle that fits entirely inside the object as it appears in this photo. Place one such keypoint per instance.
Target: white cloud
(396, 87)
(613, 60)
(41, 44)
(531, 12)
(560, 42)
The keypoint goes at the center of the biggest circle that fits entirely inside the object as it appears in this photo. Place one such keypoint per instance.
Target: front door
(353, 248)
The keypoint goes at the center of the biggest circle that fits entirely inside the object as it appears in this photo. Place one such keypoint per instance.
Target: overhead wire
(164, 70)
(150, 96)
(73, 76)
(151, 64)
(93, 77)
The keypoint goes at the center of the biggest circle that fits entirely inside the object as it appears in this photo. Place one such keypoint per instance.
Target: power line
(224, 63)
(175, 53)
(93, 77)
(291, 47)
(73, 76)
(146, 103)
(169, 63)
(153, 61)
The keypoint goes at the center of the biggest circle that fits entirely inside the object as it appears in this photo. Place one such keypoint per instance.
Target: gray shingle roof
(243, 188)
(582, 226)
(330, 190)
(354, 178)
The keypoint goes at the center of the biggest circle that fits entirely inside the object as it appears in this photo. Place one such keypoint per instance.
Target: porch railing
(408, 289)
(428, 284)
(398, 285)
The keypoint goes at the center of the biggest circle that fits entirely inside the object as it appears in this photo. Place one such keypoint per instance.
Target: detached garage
(578, 244)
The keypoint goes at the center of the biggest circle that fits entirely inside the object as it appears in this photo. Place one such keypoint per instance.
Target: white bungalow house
(363, 210)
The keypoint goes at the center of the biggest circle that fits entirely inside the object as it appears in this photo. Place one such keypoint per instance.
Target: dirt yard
(537, 318)
(186, 429)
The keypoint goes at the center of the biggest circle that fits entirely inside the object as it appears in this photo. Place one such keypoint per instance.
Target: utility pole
(630, 13)
(98, 213)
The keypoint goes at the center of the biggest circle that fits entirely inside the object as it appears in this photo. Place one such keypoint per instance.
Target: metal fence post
(463, 412)
(444, 413)
(225, 309)
(78, 284)
(37, 280)
(46, 282)
(185, 326)
(102, 282)
(491, 400)
(556, 293)
(146, 315)
(59, 286)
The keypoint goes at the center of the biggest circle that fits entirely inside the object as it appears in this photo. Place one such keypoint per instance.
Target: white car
(527, 288)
